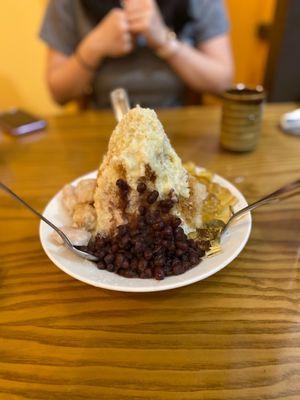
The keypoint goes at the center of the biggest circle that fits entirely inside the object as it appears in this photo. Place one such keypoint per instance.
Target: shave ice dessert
(146, 215)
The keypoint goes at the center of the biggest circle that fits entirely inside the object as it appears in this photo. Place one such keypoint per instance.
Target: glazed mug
(241, 117)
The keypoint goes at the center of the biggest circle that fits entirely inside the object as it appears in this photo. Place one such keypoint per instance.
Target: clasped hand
(115, 35)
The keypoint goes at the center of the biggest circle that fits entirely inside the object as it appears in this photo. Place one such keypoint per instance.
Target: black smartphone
(19, 122)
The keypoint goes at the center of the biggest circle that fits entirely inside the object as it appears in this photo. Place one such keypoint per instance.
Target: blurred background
(22, 64)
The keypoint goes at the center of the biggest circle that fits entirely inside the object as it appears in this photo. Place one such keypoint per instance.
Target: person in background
(154, 49)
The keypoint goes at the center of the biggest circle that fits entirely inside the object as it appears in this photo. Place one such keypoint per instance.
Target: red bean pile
(152, 245)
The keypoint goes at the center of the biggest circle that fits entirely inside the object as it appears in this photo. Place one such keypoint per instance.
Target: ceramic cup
(241, 117)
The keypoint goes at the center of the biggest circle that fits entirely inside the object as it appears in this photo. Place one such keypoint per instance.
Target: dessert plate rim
(232, 244)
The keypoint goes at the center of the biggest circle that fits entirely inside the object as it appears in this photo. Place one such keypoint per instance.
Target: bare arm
(207, 68)
(68, 77)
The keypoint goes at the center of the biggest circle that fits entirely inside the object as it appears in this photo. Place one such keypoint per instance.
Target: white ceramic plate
(86, 271)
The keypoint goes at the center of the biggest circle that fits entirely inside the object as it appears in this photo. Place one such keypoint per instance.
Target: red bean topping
(122, 185)
(159, 274)
(175, 222)
(142, 210)
(179, 252)
(109, 259)
(133, 263)
(110, 268)
(166, 205)
(119, 260)
(151, 245)
(182, 246)
(122, 229)
(167, 232)
(142, 264)
(152, 197)
(100, 253)
(158, 226)
(141, 187)
(146, 274)
(100, 265)
(178, 269)
(148, 254)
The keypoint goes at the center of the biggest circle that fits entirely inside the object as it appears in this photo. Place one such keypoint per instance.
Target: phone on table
(19, 122)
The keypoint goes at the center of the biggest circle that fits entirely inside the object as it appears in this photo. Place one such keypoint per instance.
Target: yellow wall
(250, 52)
(22, 57)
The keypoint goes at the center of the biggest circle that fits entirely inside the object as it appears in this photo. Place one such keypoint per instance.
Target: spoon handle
(23, 202)
(120, 103)
(284, 192)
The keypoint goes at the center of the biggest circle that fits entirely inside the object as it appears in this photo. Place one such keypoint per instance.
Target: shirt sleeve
(208, 19)
(59, 29)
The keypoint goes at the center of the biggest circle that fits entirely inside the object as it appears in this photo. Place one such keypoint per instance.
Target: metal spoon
(284, 192)
(73, 248)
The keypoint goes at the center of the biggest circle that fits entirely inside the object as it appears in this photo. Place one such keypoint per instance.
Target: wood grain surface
(234, 336)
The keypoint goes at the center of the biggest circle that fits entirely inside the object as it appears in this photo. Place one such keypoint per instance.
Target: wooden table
(234, 336)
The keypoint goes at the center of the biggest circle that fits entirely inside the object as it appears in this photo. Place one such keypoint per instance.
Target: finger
(138, 24)
(118, 13)
(136, 17)
(137, 28)
(123, 24)
(128, 47)
(133, 5)
(127, 38)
